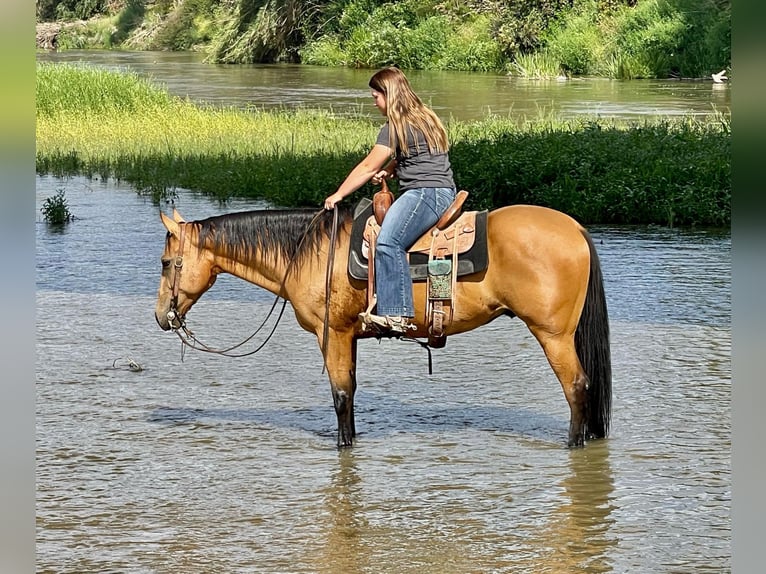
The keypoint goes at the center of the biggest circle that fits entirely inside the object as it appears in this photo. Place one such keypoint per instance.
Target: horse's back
(539, 261)
(534, 218)
(539, 232)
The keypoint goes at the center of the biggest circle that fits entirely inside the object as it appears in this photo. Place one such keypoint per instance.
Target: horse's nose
(164, 326)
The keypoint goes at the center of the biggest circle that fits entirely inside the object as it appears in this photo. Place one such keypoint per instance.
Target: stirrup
(391, 324)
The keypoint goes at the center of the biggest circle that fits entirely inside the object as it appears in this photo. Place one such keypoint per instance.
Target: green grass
(540, 65)
(82, 90)
(667, 173)
(92, 122)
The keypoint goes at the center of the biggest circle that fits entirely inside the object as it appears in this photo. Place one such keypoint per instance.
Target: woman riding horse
(417, 140)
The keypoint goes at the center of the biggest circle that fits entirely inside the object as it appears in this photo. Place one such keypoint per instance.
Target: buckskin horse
(542, 267)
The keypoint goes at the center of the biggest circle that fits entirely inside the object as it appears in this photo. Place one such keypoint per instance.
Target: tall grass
(81, 90)
(258, 31)
(539, 65)
(94, 122)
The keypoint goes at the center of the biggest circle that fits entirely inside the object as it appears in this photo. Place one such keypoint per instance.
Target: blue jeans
(409, 217)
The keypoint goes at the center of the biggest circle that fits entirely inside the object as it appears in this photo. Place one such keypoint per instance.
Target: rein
(188, 339)
(328, 287)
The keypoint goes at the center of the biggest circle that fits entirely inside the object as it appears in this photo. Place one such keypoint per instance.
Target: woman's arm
(361, 174)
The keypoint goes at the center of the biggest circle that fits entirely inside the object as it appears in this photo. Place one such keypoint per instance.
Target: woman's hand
(332, 200)
(378, 178)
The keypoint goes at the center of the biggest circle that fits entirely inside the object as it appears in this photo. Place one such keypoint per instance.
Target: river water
(199, 463)
(464, 96)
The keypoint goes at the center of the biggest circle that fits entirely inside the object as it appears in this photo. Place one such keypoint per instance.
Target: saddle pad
(472, 261)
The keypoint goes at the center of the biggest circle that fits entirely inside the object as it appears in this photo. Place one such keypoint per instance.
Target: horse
(542, 268)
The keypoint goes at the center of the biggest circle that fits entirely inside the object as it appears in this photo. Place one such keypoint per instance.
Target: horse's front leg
(341, 368)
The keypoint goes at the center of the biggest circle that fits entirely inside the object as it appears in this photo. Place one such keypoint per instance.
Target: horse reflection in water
(543, 268)
(570, 533)
(576, 537)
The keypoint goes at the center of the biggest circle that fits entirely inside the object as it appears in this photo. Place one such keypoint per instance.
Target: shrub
(648, 37)
(324, 52)
(576, 44)
(55, 209)
(48, 10)
(470, 48)
(519, 25)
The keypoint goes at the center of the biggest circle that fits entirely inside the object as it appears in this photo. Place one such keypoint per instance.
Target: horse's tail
(592, 344)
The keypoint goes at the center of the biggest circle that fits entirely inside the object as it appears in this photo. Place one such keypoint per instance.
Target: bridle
(178, 322)
(188, 339)
(173, 316)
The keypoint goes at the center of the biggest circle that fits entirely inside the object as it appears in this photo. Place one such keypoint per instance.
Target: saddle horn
(381, 201)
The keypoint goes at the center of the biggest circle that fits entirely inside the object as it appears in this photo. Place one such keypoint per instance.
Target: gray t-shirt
(420, 168)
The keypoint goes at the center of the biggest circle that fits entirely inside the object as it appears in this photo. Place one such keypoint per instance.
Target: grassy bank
(103, 123)
(530, 38)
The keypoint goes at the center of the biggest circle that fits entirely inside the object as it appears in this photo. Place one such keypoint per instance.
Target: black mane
(277, 232)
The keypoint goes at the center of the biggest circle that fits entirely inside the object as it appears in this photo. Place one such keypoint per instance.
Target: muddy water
(460, 95)
(198, 463)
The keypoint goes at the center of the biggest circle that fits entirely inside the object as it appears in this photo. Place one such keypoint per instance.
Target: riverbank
(95, 122)
(622, 39)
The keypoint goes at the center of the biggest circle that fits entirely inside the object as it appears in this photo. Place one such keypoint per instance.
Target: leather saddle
(471, 228)
(455, 246)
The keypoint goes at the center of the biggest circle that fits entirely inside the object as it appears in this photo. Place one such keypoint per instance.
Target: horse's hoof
(345, 441)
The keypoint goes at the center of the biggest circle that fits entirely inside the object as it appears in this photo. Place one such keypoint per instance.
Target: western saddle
(454, 233)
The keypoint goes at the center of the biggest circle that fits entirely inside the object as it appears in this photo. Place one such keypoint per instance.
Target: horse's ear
(169, 224)
(177, 217)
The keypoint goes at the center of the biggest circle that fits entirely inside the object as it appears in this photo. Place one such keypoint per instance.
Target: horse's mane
(288, 233)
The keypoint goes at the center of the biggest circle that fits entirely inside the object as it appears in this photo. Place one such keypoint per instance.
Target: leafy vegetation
(612, 38)
(55, 209)
(91, 122)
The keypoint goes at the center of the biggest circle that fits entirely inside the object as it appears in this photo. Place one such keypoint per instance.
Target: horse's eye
(165, 263)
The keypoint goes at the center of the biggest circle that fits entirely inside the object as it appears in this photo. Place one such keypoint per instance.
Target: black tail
(592, 344)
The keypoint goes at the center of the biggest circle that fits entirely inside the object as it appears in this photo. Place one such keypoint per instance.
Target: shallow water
(199, 463)
(462, 95)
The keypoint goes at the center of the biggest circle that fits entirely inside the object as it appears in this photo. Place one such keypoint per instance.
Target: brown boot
(388, 323)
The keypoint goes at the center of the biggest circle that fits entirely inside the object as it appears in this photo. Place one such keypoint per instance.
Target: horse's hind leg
(562, 356)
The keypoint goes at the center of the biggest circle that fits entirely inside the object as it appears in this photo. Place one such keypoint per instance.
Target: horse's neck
(268, 273)
(274, 272)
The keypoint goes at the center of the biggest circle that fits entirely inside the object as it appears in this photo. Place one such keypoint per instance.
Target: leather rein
(189, 339)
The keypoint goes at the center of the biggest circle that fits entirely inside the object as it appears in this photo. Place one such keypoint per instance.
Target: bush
(643, 39)
(648, 37)
(55, 209)
(470, 48)
(409, 36)
(519, 25)
(48, 10)
(185, 27)
(576, 44)
(324, 52)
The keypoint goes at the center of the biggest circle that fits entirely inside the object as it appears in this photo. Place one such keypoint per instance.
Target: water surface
(199, 463)
(462, 95)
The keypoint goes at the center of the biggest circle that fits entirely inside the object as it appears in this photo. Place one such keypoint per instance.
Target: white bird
(720, 77)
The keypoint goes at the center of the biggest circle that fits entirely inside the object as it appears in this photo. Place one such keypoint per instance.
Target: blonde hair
(405, 109)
